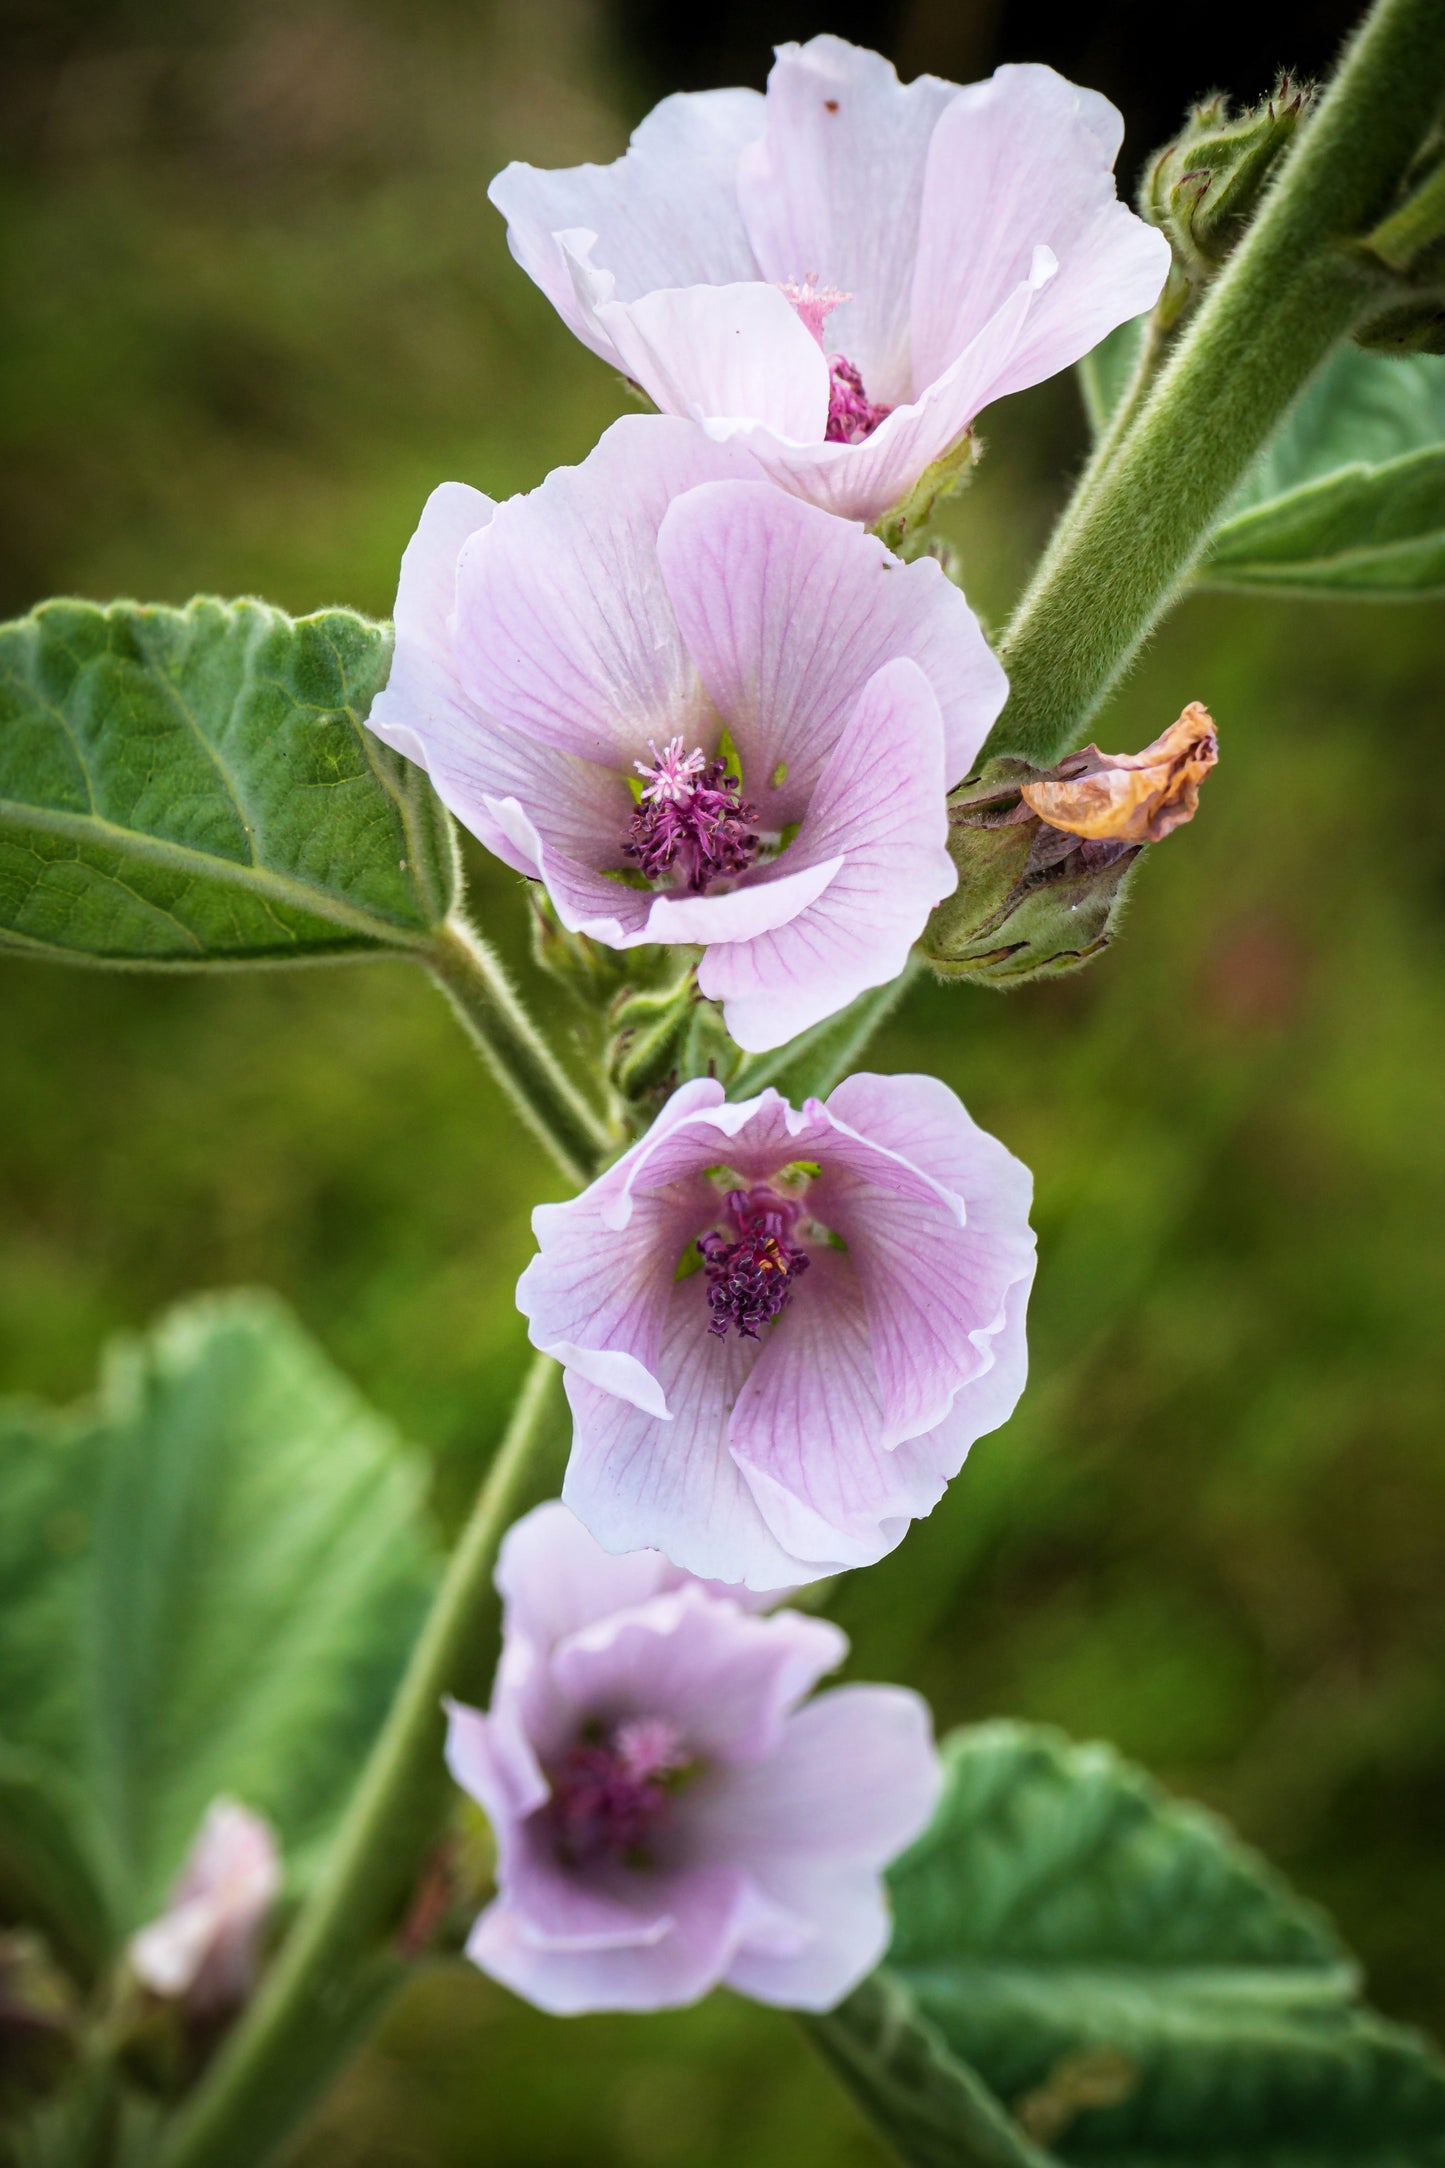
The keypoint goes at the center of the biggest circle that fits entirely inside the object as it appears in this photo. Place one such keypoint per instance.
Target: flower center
(750, 1279)
(610, 1794)
(852, 416)
(692, 820)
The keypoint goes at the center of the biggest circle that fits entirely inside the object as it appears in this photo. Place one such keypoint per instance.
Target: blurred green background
(256, 306)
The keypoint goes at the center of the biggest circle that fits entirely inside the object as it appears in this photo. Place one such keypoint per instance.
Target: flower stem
(336, 1968)
(1292, 289)
(478, 989)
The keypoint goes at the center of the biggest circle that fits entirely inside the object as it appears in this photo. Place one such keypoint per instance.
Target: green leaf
(209, 1585)
(1134, 1984)
(182, 787)
(1349, 499)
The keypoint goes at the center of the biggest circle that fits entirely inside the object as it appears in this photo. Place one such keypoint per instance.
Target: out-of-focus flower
(1130, 797)
(783, 1330)
(697, 710)
(841, 275)
(204, 1948)
(670, 1813)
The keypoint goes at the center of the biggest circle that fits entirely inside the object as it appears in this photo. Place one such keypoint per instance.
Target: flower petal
(833, 187)
(665, 214)
(1019, 162)
(554, 1579)
(726, 1678)
(634, 1481)
(667, 1960)
(717, 352)
(855, 1779)
(806, 1430)
(788, 613)
(564, 631)
(879, 811)
(863, 481)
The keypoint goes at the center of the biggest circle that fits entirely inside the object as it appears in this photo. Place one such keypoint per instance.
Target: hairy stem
(336, 1968)
(477, 987)
(1291, 290)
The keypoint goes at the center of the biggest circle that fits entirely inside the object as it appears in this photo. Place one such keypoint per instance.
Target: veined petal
(880, 809)
(788, 613)
(564, 629)
(833, 186)
(1022, 161)
(806, 1430)
(665, 213)
(635, 1481)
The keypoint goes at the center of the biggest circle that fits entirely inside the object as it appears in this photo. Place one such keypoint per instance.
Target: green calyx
(1031, 901)
(1204, 187)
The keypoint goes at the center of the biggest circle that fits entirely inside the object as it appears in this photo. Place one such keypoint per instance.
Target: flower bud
(1044, 855)
(203, 1951)
(1204, 187)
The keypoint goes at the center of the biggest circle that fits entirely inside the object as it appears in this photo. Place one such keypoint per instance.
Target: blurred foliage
(257, 308)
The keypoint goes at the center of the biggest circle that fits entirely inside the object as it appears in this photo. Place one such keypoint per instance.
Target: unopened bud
(1205, 186)
(40, 2014)
(204, 1949)
(1044, 855)
(590, 972)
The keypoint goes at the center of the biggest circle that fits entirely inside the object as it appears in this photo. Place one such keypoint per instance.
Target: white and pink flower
(699, 711)
(782, 1330)
(842, 274)
(204, 1948)
(670, 1812)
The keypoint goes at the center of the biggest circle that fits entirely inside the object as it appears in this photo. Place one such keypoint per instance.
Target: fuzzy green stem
(336, 1968)
(477, 987)
(1292, 289)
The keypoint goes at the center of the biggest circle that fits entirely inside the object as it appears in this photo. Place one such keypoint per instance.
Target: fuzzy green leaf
(1349, 499)
(207, 1586)
(1134, 1984)
(195, 786)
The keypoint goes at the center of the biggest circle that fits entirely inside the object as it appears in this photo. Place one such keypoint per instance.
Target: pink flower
(667, 1817)
(204, 1948)
(842, 274)
(699, 711)
(782, 1330)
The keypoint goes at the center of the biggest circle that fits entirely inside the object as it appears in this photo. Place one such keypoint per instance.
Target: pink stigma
(610, 1794)
(750, 1280)
(692, 819)
(813, 301)
(852, 415)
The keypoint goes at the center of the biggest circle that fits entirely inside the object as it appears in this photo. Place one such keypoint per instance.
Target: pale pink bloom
(699, 711)
(204, 1948)
(670, 1813)
(841, 275)
(852, 1320)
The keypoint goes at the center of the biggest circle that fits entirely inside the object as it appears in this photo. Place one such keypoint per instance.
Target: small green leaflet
(182, 787)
